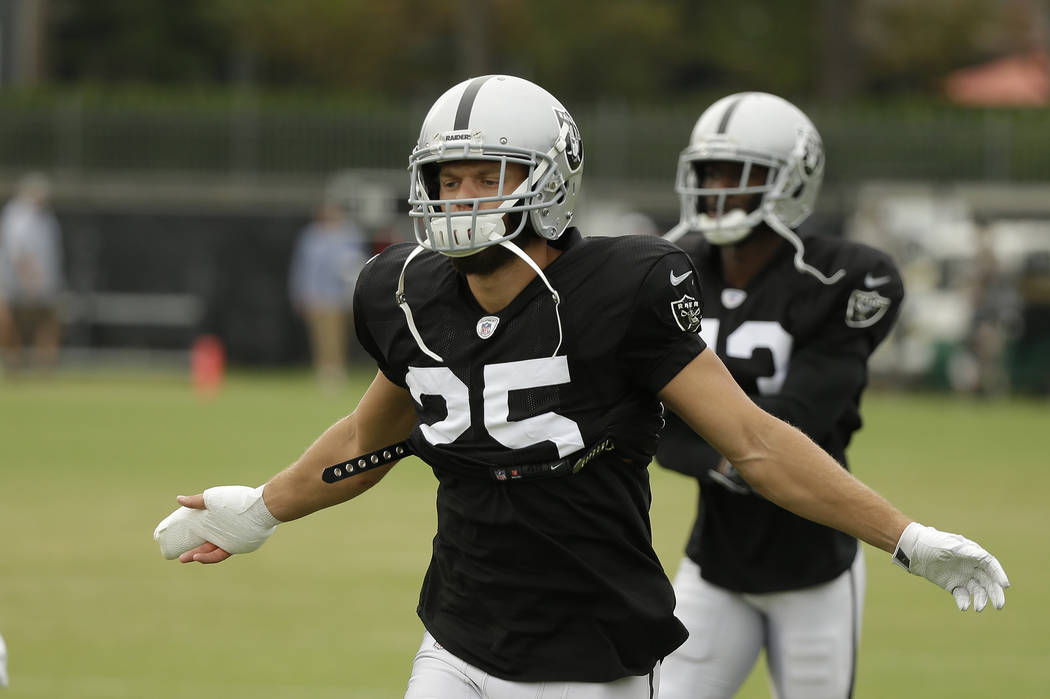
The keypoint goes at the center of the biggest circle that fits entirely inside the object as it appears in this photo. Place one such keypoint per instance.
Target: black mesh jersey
(554, 579)
(799, 348)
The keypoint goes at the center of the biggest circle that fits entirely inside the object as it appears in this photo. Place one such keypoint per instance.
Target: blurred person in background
(3, 663)
(1032, 350)
(31, 274)
(7, 324)
(328, 256)
(980, 364)
(795, 323)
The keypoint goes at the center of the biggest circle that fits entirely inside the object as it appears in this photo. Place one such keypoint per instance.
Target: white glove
(955, 563)
(235, 519)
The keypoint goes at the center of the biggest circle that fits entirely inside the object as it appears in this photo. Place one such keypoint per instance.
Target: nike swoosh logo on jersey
(872, 282)
(677, 279)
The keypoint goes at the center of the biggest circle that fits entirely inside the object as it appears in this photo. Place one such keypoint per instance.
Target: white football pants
(437, 674)
(810, 637)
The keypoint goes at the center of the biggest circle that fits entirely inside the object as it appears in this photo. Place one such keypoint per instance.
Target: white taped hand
(955, 563)
(235, 519)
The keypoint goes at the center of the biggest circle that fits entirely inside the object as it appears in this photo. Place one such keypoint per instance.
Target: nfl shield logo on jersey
(865, 308)
(686, 311)
(487, 326)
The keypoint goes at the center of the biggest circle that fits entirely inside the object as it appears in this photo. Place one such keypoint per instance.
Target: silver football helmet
(754, 129)
(508, 120)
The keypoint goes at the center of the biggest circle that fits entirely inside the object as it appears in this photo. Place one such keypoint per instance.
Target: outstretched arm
(385, 414)
(786, 467)
(211, 525)
(776, 459)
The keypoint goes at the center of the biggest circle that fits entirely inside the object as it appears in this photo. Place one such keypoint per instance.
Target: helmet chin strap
(539, 272)
(678, 232)
(402, 300)
(792, 237)
(477, 227)
(728, 228)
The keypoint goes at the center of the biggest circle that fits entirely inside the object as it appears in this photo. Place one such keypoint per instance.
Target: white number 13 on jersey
(752, 335)
(500, 380)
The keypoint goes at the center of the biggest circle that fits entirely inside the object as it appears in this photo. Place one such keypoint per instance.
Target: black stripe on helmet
(724, 124)
(466, 103)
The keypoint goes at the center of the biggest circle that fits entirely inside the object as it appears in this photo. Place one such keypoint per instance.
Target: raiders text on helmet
(753, 129)
(507, 120)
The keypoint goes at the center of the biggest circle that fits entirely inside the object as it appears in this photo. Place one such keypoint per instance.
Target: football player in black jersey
(526, 365)
(795, 327)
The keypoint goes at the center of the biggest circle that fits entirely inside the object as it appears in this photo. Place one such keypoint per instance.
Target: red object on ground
(207, 365)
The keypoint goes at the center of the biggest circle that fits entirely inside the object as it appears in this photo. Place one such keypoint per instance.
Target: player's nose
(717, 180)
(467, 190)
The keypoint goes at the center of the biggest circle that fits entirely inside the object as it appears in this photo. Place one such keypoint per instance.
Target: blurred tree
(135, 41)
(840, 73)
(588, 49)
(585, 48)
(630, 50)
(757, 44)
(22, 34)
(910, 46)
(385, 47)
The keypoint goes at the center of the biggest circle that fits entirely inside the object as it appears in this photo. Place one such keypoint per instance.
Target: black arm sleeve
(821, 384)
(663, 329)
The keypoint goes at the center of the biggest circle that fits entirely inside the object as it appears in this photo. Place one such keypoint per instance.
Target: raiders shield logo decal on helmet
(865, 308)
(573, 141)
(686, 311)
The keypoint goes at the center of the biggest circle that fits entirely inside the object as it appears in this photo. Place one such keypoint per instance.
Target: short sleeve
(366, 317)
(665, 322)
(863, 310)
(828, 366)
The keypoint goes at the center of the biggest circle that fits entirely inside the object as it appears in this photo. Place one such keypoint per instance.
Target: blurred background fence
(187, 146)
(244, 137)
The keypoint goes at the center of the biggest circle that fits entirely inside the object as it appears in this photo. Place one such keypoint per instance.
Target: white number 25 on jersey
(500, 380)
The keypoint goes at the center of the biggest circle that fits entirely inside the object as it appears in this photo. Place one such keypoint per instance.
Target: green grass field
(327, 609)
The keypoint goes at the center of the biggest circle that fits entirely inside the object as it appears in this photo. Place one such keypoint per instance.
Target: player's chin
(483, 262)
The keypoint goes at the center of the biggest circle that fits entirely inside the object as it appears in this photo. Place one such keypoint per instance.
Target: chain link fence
(253, 137)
